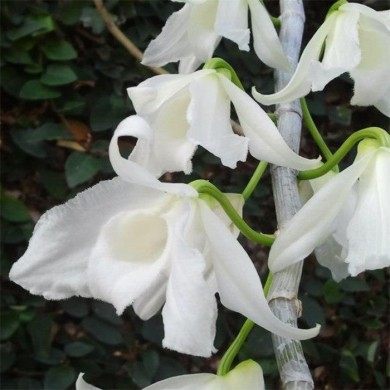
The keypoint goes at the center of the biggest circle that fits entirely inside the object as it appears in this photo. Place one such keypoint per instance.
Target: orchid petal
(231, 22)
(172, 44)
(342, 52)
(209, 118)
(134, 173)
(82, 385)
(172, 147)
(265, 141)
(369, 229)
(131, 252)
(190, 311)
(371, 76)
(383, 104)
(247, 375)
(188, 64)
(142, 153)
(239, 286)
(314, 222)
(186, 382)
(151, 94)
(380, 16)
(331, 255)
(56, 260)
(265, 39)
(152, 299)
(300, 83)
(202, 37)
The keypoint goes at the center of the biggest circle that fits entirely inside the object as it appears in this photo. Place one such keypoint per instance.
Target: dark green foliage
(63, 84)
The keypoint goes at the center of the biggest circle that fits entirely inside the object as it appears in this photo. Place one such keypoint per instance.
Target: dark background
(63, 86)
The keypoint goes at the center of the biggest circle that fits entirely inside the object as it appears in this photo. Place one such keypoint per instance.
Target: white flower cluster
(135, 240)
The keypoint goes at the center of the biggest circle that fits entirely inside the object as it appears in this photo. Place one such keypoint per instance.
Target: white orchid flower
(130, 244)
(347, 219)
(357, 41)
(81, 384)
(176, 113)
(247, 375)
(192, 34)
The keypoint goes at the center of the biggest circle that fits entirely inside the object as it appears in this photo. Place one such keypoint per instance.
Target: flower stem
(257, 175)
(232, 351)
(376, 133)
(205, 187)
(315, 132)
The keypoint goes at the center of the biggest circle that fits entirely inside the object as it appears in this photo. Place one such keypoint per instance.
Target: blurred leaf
(169, 367)
(153, 330)
(314, 287)
(16, 56)
(33, 25)
(13, 234)
(269, 366)
(349, 365)
(12, 81)
(332, 292)
(80, 167)
(40, 332)
(75, 306)
(70, 11)
(33, 68)
(103, 332)
(54, 183)
(90, 18)
(341, 115)
(58, 75)
(354, 285)
(13, 210)
(372, 323)
(59, 50)
(138, 374)
(35, 90)
(313, 313)
(7, 356)
(28, 384)
(151, 361)
(9, 324)
(53, 358)
(78, 349)
(259, 345)
(106, 312)
(371, 352)
(108, 112)
(31, 140)
(60, 377)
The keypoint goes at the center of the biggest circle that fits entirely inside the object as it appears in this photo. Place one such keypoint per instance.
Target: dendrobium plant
(176, 113)
(348, 217)
(192, 34)
(157, 246)
(247, 375)
(357, 41)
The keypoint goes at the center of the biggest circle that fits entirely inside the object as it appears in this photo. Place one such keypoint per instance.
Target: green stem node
(205, 187)
(221, 66)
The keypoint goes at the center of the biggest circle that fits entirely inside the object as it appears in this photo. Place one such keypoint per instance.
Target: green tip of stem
(335, 7)
(223, 67)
